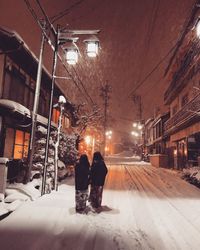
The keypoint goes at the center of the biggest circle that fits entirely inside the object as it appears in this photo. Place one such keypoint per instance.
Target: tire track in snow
(148, 187)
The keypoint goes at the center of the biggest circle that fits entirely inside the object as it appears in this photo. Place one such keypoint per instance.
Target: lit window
(55, 115)
(21, 144)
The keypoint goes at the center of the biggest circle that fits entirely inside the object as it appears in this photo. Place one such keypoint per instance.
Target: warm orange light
(88, 139)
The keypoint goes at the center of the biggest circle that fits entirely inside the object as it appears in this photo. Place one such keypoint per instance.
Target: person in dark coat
(97, 179)
(82, 170)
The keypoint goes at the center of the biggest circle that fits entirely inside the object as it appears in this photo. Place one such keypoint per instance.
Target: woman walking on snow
(82, 169)
(97, 179)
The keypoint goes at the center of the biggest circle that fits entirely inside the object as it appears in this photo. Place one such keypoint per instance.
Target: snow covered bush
(67, 149)
(67, 153)
(192, 175)
(38, 158)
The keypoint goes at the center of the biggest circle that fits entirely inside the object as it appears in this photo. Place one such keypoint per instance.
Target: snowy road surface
(143, 208)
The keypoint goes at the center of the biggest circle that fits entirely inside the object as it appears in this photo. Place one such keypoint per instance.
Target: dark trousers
(81, 199)
(96, 196)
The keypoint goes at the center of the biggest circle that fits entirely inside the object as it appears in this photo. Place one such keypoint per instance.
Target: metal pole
(57, 147)
(35, 108)
(50, 115)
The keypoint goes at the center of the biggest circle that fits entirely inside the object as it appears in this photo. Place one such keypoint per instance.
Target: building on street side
(183, 99)
(18, 72)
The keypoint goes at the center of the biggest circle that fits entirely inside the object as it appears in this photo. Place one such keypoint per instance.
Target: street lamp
(71, 54)
(92, 46)
(62, 36)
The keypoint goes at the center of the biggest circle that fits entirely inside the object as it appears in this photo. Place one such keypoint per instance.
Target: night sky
(135, 36)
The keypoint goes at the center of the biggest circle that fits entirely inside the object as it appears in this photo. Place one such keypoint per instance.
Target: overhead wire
(148, 36)
(173, 48)
(152, 71)
(31, 10)
(53, 29)
(65, 12)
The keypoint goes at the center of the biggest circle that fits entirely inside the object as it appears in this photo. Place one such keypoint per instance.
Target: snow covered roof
(17, 108)
(14, 107)
(13, 45)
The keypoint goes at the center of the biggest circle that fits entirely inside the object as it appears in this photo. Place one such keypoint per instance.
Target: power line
(81, 82)
(184, 32)
(148, 36)
(176, 46)
(66, 11)
(152, 71)
(31, 10)
(54, 31)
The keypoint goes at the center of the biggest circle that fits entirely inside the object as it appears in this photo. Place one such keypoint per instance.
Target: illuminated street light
(140, 126)
(134, 124)
(92, 46)
(71, 54)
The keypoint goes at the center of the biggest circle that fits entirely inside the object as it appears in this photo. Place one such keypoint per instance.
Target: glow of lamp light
(88, 139)
(92, 49)
(139, 126)
(72, 56)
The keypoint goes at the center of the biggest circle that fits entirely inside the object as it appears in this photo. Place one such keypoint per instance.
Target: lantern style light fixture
(71, 54)
(92, 46)
(198, 28)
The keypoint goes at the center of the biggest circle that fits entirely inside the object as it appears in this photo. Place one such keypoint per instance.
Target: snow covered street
(143, 208)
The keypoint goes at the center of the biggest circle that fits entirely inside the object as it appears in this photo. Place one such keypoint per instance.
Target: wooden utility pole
(137, 100)
(105, 91)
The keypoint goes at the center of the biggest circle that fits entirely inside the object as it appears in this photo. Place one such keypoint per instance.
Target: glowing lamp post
(71, 54)
(92, 46)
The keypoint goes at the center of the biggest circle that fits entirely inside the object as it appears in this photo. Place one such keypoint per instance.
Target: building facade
(18, 72)
(183, 99)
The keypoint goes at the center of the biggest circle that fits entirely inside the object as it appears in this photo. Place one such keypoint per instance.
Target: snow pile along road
(143, 208)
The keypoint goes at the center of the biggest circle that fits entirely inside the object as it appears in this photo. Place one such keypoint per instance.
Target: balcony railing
(188, 113)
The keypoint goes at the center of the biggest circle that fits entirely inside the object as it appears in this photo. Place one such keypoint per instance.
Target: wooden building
(182, 130)
(18, 71)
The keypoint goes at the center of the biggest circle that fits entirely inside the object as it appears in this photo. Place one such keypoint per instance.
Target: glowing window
(21, 144)
(55, 115)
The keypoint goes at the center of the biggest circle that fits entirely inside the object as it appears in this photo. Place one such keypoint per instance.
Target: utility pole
(137, 100)
(35, 106)
(105, 91)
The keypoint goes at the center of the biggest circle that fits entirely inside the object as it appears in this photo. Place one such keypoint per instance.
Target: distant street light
(109, 137)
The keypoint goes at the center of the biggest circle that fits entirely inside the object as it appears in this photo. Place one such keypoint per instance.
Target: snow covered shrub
(67, 149)
(67, 153)
(192, 175)
(39, 155)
